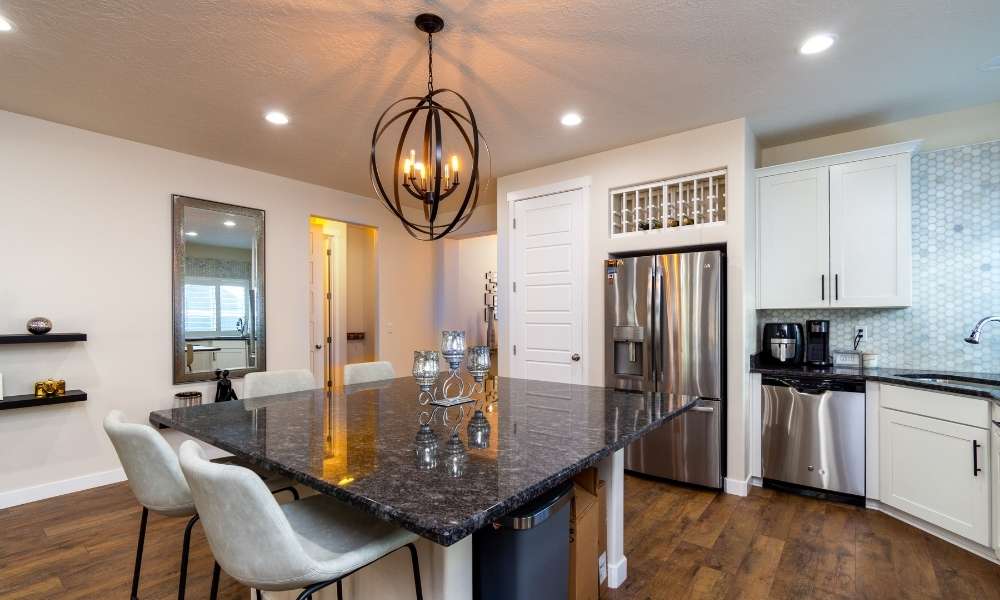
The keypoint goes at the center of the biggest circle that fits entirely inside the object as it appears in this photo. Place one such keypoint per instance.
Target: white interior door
(794, 243)
(870, 232)
(547, 299)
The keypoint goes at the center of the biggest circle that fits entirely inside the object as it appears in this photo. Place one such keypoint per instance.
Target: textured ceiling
(196, 76)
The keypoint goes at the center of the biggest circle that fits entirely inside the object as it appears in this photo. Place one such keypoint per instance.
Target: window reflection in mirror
(218, 283)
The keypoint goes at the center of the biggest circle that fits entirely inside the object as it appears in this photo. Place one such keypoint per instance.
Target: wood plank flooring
(681, 543)
(689, 543)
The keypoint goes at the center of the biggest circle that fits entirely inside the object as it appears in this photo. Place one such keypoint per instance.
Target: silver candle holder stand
(453, 392)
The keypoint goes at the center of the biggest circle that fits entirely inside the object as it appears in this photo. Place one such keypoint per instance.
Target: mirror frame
(181, 202)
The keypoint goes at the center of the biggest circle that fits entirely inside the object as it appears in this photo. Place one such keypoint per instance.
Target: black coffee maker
(783, 344)
(818, 343)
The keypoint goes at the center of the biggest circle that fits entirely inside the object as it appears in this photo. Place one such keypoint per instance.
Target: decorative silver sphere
(39, 325)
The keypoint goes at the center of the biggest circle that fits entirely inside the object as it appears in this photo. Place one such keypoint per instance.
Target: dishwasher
(813, 436)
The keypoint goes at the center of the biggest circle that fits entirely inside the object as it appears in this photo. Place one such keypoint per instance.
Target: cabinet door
(995, 467)
(926, 470)
(870, 232)
(793, 240)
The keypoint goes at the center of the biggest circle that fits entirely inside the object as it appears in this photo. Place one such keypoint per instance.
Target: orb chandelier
(431, 176)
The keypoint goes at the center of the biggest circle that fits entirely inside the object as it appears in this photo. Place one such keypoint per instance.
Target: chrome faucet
(978, 329)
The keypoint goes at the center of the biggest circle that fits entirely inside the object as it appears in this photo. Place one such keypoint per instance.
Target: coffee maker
(818, 343)
(783, 344)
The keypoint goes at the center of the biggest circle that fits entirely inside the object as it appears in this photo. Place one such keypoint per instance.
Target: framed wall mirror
(218, 290)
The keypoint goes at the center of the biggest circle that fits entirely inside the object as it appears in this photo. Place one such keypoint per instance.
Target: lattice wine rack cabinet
(689, 201)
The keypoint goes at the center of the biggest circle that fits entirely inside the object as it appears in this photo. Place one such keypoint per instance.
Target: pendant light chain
(430, 62)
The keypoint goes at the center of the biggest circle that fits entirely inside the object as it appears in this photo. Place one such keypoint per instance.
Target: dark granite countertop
(983, 385)
(358, 445)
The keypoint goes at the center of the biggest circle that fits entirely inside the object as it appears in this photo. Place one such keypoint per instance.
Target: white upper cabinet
(793, 212)
(835, 231)
(870, 232)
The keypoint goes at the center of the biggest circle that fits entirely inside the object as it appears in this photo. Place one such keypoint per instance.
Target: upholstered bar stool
(307, 545)
(268, 383)
(367, 372)
(154, 474)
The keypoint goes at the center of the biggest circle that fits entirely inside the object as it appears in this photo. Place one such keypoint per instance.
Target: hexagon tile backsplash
(956, 271)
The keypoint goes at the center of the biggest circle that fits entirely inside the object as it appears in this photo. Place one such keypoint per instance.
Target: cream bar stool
(268, 383)
(310, 544)
(367, 372)
(158, 484)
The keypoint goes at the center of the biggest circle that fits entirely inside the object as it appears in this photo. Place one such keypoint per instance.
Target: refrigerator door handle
(656, 309)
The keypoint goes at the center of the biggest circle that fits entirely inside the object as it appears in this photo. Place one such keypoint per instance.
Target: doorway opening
(343, 291)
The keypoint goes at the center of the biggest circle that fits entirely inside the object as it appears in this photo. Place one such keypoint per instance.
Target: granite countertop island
(358, 445)
(983, 385)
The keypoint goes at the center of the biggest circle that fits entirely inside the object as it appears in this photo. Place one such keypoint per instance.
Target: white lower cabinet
(938, 471)
(995, 452)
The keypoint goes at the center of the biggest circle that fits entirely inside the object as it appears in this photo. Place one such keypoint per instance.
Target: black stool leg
(138, 553)
(184, 557)
(215, 582)
(340, 590)
(416, 571)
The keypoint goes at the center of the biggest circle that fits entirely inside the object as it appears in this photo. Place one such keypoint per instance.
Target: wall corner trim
(737, 487)
(58, 488)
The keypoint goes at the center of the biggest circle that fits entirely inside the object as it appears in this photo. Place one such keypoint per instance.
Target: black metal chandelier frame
(440, 184)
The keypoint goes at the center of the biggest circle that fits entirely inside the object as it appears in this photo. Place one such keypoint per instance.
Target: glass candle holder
(455, 457)
(453, 347)
(479, 430)
(425, 368)
(478, 362)
(426, 445)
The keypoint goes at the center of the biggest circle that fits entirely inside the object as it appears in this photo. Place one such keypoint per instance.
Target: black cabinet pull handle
(836, 286)
(822, 287)
(975, 459)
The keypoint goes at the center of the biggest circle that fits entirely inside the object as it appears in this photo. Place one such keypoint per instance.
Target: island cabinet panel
(936, 470)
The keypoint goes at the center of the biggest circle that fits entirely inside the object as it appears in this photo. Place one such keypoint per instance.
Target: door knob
(575, 357)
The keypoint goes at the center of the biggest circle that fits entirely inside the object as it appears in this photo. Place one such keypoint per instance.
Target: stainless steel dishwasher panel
(814, 435)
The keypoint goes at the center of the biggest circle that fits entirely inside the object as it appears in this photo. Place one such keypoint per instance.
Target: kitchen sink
(966, 382)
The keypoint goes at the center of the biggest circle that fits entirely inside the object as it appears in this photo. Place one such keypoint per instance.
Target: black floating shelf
(45, 338)
(24, 400)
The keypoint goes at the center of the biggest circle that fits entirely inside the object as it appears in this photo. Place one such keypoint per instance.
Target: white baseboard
(951, 538)
(737, 487)
(58, 488)
(756, 481)
(617, 573)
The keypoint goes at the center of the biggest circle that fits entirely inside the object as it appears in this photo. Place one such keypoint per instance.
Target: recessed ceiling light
(191, 233)
(277, 117)
(817, 43)
(229, 223)
(5, 25)
(992, 64)
(571, 119)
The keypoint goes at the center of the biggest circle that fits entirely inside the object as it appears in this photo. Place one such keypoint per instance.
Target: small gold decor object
(50, 387)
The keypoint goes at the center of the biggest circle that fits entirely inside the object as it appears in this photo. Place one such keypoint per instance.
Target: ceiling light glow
(5, 25)
(571, 119)
(277, 117)
(817, 43)
(229, 223)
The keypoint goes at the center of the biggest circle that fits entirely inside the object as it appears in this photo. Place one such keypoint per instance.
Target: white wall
(463, 264)
(727, 145)
(85, 222)
(942, 130)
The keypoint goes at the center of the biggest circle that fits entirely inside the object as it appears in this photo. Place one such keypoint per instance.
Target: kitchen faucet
(978, 329)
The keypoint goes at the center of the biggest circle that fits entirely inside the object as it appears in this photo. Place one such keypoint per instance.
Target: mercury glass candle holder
(478, 362)
(453, 347)
(425, 368)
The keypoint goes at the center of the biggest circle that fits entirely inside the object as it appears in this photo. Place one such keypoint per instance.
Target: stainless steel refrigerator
(665, 332)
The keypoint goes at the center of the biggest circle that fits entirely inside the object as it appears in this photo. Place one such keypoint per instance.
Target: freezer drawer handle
(703, 408)
(975, 459)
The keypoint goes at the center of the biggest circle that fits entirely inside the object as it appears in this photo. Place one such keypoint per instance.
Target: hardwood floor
(690, 543)
(681, 543)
